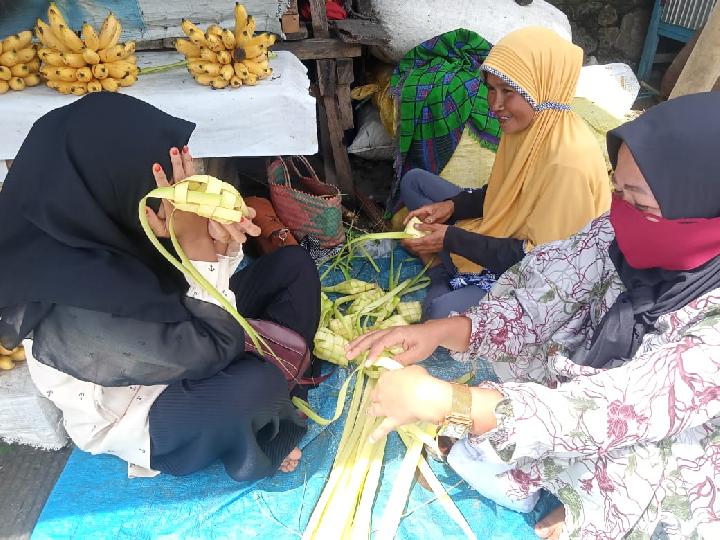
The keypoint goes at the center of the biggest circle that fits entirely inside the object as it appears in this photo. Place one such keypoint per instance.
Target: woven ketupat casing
(313, 210)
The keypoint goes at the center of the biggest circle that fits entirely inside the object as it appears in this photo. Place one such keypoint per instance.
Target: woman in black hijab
(607, 348)
(143, 364)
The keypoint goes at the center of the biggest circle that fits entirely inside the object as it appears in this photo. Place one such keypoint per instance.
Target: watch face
(455, 431)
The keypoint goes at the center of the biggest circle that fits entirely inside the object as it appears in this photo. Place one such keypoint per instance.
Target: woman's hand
(407, 395)
(439, 212)
(418, 341)
(190, 229)
(229, 238)
(429, 244)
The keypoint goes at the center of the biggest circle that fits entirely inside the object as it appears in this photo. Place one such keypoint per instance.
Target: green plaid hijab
(440, 89)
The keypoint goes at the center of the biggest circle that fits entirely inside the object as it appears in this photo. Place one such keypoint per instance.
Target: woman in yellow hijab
(549, 179)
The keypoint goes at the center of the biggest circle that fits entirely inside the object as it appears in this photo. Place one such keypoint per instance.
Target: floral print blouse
(627, 449)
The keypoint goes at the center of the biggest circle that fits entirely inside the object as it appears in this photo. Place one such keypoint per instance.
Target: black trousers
(243, 414)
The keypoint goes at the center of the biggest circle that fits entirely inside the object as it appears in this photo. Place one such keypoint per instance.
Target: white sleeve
(217, 274)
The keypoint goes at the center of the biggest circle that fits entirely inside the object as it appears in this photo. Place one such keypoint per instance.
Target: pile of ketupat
(91, 62)
(220, 57)
(19, 63)
(345, 507)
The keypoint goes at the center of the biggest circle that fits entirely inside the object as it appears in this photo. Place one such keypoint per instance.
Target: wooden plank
(345, 107)
(318, 12)
(318, 48)
(336, 134)
(326, 150)
(326, 76)
(361, 32)
(702, 70)
(345, 73)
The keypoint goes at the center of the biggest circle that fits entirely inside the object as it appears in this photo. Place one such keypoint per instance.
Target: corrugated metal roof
(690, 14)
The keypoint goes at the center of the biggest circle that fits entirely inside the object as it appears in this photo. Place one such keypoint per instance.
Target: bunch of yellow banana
(221, 57)
(19, 63)
(91, 62)
(8, 358)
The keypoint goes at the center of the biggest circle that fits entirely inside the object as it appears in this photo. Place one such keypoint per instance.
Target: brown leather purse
(273, 232)
(292, 356)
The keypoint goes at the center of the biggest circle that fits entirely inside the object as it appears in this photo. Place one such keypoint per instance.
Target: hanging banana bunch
(19, 64)
(90, 62)
(220, 57)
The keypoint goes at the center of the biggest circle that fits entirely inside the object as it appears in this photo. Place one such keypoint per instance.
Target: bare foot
(290, 463)
(552, 525)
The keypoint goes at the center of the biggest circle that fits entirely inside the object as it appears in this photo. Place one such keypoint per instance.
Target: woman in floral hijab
(607, 348)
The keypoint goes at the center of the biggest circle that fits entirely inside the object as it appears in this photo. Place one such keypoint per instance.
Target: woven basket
(313, 210)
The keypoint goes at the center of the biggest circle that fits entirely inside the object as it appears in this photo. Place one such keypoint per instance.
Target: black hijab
(69, 227)
(677, 147)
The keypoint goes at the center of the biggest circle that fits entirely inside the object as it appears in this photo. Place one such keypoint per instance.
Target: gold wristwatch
(458, 422)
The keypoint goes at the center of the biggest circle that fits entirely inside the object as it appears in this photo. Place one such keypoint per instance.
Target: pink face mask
(649, 241)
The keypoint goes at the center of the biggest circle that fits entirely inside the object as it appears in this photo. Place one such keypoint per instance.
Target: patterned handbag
(314, 210)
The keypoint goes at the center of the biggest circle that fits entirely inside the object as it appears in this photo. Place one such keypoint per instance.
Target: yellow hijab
(549, 180)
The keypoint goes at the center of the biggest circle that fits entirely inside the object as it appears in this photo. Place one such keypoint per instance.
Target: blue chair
(674, 19)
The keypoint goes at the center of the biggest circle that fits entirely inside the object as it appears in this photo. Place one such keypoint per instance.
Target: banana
(4, 87)
(78, 89)
(32, 80)
(16, 83)
(241, 20)
(118, 70)
(75, 60)
(224, 57)
(256, 66)
(188, 48)
(33, 65)
(227, 72)
(56, 20)
(100, 71)
(109, 32)
(240, 70)
(18, 355)
(66, 74)
(208, 55)
(9, 58)
(248, 53)
(5, 73)
(94, 86)
(212, 69)
(213, 30)
(54, 59)
(196, 69)
(228, 39)
(20, 70)
(194, 33)
(17, 42)
(215, 44)
(112, 54)
(71, 39)
(62, 87)
(250, 80)
(204, 79)
(235, 81)
(219, 82)
(247, 33)
(91, 57)
(90, 37)
(45, 34)
(263, 40)
(5, 362)
(84, 74)
(128, 80)
(109, 85)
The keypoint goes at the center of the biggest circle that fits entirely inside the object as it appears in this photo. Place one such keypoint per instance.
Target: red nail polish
(174, 152)
(185, 149)
(157, 167)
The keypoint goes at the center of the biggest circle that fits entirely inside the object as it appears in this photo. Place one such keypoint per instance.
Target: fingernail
(174, 152)
(157, 167)
(185, 149)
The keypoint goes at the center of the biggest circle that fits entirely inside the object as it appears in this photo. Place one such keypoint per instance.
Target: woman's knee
(410, 186)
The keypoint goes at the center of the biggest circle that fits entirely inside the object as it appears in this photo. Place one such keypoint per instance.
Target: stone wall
(611, 31)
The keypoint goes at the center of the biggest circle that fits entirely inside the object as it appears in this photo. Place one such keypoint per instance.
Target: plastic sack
(613, 87)
(372, 140)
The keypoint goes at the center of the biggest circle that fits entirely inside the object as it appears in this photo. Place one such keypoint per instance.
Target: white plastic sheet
(276, 117)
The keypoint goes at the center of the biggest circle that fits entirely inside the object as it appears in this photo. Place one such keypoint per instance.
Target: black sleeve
(469, 204)
(495, 254)
(116, 351)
